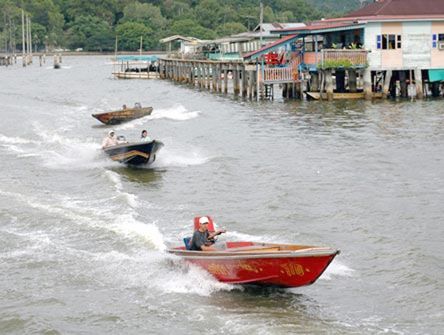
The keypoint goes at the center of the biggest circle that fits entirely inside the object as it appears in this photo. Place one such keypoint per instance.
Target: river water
(82, 237)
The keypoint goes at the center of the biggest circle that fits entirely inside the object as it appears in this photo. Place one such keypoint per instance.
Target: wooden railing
(355, 57)
(282, 74)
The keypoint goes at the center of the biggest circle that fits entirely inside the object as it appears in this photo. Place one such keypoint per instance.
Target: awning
(436, 75)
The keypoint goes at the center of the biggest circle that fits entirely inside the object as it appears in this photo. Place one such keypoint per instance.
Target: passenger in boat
(137, 105)
(202, 239)
(124, 107)
(144, 136)
(109, 140)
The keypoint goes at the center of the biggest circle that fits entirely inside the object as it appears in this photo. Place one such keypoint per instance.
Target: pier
(242, 79)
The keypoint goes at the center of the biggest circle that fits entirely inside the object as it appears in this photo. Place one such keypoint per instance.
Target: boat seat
(187, 242)
(210, 224)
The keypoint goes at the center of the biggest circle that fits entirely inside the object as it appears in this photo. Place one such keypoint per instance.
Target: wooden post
(403, 84)
(302, 88)
(258, 81)
(23, 39)
(418, 84)
(250, 84)
(340, 80)
(329, 84)
(314, 83)
(368, 84)
(352, 80)
(236, 87)
(214, 77)
(208, 75)
(226, 79)
(193, 79)
(201, 76)
(386, 87)
(219, 79)
(244, 81)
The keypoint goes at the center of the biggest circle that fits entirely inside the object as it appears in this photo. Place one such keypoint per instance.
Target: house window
(388, 42)
(434, 40)
(391, 42)
(384, 42)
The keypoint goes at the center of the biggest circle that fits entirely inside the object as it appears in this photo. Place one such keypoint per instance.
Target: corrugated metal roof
(400, 8)
(321, 26)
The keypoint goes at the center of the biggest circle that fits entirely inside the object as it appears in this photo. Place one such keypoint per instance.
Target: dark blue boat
(134, 153)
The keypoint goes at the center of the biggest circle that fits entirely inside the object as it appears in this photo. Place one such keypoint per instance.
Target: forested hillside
(93, 25)
(337, 7)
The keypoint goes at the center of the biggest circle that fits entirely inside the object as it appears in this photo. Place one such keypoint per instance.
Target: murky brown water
(82, 237)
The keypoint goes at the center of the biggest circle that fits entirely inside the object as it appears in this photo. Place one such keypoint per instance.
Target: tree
(190, 28)
(129, 34)
(231, 28)
(147, 14)
(90, 33)
(208, 13)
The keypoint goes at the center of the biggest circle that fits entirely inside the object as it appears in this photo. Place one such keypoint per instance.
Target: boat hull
(140, 153)
(117, 117)
(283, 269)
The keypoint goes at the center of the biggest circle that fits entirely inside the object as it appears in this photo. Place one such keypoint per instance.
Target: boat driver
(144, 136)
(202, 239)
(109, 140)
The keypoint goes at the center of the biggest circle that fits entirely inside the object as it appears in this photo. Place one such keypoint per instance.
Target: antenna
(261, 21)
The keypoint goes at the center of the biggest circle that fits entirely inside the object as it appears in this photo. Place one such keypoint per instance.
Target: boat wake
(173, 157)
(131, 199)
(177, 112)
(337, 269)
(58, 151)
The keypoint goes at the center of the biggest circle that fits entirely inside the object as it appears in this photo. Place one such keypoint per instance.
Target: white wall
(370, 31)
(416, 44)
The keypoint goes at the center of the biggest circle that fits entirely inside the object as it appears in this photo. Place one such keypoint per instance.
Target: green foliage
(90, 33)
(231, 28)
(129, 34)
(341, 63)
(93, 24)
(188, 27)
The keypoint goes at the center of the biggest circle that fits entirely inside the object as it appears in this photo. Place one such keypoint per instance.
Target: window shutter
(378, 41)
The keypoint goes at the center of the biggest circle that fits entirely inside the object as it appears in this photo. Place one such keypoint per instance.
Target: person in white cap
(109, 140)
(202, 239)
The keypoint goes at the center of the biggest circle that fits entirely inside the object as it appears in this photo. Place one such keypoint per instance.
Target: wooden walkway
(243, 79)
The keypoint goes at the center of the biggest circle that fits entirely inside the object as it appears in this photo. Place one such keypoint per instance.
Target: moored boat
(124, 115)
(138, 153)
(245, 262)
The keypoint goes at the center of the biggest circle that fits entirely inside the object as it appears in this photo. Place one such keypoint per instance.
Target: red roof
(400, 8)
(380, 10)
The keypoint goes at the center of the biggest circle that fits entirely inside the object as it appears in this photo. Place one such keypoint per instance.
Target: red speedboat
(284, 265)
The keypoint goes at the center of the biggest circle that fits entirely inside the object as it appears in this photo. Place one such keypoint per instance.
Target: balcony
(343, 58)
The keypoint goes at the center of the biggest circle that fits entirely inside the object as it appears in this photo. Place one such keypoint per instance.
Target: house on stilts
(387, 48)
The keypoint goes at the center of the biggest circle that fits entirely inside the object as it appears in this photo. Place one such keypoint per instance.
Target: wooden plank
(337, 96)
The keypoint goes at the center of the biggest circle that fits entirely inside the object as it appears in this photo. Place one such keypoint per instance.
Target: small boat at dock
(123, 115)
(139, 153)
(271, 264)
